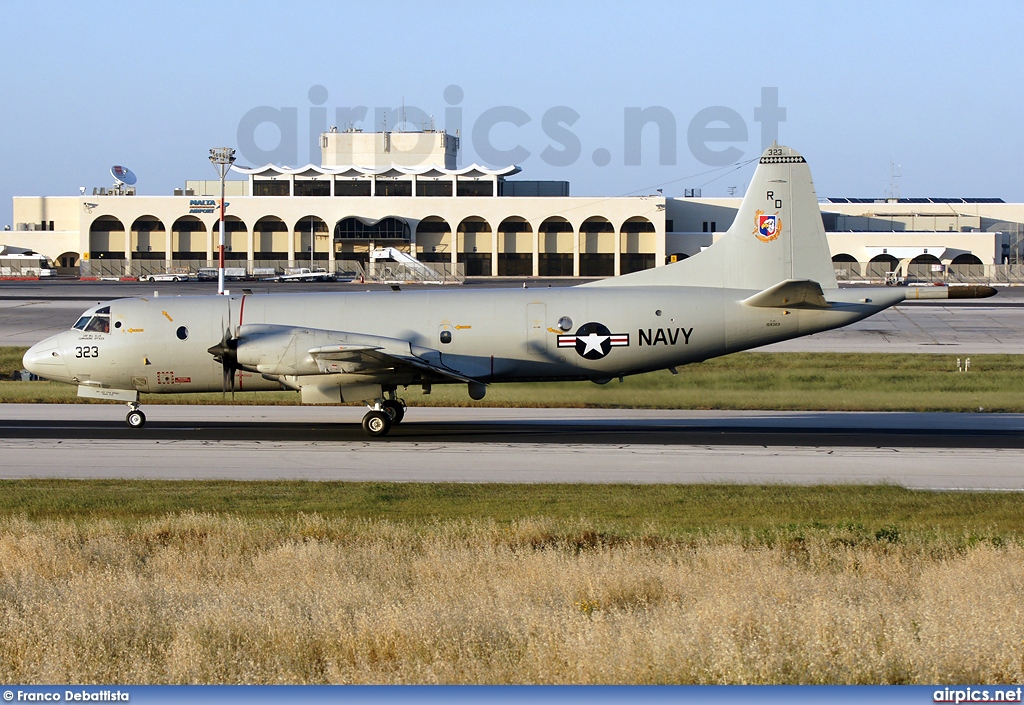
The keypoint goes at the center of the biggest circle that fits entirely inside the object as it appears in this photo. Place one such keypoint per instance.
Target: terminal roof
(390, 171)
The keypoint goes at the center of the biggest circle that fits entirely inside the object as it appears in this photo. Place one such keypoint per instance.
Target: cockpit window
(97, 321)
(99, 324)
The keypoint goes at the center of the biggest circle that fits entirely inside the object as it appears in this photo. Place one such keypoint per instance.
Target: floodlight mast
(222, 158)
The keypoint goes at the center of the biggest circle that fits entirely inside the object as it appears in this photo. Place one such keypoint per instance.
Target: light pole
(222, 158)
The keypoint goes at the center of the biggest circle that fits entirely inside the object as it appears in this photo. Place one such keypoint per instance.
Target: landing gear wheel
(377, 423)
(395, 409)
(135, 418)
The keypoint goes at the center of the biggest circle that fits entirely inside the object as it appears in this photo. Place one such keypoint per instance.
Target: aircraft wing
(792, 293)
(289, 350)
(372, 359)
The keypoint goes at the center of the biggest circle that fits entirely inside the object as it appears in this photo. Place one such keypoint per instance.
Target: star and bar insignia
(593, 341)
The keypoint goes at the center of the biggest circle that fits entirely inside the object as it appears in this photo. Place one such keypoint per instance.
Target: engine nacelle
(285, 350)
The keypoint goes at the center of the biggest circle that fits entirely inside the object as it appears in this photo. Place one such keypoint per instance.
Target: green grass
(619, 510)
(797, 381)
(10, 360)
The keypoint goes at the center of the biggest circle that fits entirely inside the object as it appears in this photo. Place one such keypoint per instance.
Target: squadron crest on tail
(767, 227)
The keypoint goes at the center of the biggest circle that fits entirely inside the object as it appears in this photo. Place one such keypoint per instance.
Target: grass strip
(625, 510)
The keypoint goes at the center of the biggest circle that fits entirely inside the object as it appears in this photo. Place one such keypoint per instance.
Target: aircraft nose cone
(46, 359)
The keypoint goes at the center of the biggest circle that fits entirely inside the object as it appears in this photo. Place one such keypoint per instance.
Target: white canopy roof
(353, 171)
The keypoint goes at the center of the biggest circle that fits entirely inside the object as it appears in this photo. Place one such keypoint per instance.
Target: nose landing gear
(135, 417)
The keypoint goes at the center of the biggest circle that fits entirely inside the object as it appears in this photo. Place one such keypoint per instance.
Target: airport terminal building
(404, 191)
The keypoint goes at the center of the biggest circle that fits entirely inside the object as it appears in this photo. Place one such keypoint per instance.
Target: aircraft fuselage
(160, 344)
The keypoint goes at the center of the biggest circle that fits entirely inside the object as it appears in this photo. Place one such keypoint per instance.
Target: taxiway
(932, 451)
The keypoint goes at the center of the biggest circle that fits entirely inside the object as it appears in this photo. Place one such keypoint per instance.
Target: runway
(933, 451)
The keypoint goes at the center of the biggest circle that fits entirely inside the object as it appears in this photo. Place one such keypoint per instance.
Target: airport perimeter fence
(884, 273)
(343, 270)
(443, 272)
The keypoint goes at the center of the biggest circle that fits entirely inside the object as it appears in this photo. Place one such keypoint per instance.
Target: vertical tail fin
(777, 235)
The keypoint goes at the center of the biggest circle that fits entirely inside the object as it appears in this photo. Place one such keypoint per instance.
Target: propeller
(226, 353)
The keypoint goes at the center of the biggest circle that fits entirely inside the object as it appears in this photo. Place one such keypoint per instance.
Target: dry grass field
(308, 598)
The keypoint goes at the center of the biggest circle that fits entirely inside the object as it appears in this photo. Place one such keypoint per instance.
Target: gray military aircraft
(769, 278)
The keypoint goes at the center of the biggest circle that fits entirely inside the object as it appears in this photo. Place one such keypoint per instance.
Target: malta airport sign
(205, 205)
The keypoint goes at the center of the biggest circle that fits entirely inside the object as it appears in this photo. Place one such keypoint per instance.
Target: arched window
(310, 238)
(106, 238)
(270, 239)
(390, 228)
(966, 267)
(236, 238)
(597, 247)
(515, 247)
(149, 239)
(880, 265)
(474, 246)
(846, 266)
(556, 236)
(434, 240)
(188, 238)
(967, 258)
(638, 245)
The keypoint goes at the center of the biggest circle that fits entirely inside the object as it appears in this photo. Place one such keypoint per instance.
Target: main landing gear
(394, 408)
(135, 417)
(383, 415)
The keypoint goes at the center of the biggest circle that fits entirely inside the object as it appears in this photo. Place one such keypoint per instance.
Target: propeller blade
(225, 352)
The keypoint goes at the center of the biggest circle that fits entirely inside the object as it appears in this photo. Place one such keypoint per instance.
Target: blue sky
(935, 87)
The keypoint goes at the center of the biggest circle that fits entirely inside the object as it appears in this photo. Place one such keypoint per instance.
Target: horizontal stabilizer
(792, 293)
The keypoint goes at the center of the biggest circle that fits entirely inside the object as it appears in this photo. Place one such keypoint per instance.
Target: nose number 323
(87, 351)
